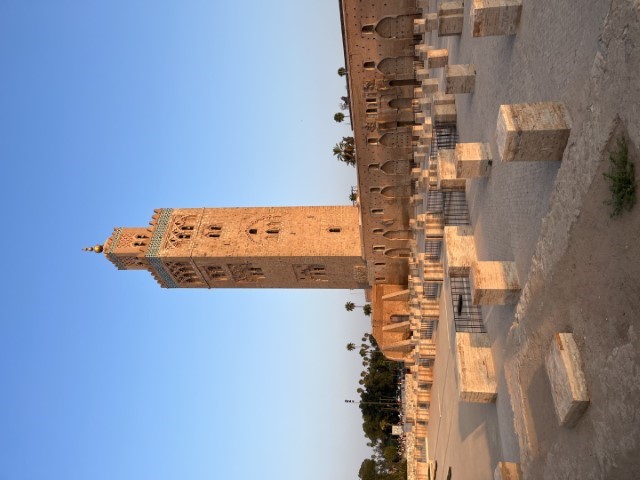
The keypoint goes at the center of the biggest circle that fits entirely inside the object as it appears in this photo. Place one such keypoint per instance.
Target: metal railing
(455, 208)
(467, 317)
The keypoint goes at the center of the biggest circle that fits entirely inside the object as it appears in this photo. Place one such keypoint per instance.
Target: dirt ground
(594, 292)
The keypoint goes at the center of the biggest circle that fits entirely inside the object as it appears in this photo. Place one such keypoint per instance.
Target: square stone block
(430, 85)
(441, 98)
(507, 471)
(422, 74)
(437, 58)
(450, 25)
(417, 92)
(472, 160)
(494, 283)
(495, 17)
(421, 50)
(447, 180)
(418, 26)
(568, 384)
(459, 250)
(431, 22)
(445, 113)
(460, 78)
(451, 8)
(474, 367)
(532, 131)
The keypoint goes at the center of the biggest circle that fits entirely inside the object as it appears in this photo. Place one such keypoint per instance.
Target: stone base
(445, 113)
(568, 384)
(495, 17)
(494, 283)
(431, 22)
(440, 98)
(459, 250)
(460, 78)
(474, 367)
(472, 160)
(450, 25)
(422, 74)
(437, 58)
(447, 179)
(532, 131)
(507, 471)
(418, 26)
(430, 86)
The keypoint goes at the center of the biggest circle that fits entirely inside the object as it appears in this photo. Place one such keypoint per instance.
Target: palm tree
(349, 306)
(342, 71)
(351, 346)
(353, 196)
(345, 151)
(339, 117)
(367, 309)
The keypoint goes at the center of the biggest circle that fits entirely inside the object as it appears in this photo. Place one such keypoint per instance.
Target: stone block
(460, 78)
(417, 92)
(451, 8)
(447, 180)
(430, 85)
(437, 58)
(507, 471)
(423, 5)
(445, 113)
(441, 98)
(431, 22)
(474, 367)
(449, 25)
(419, 26)
(421, 50)
(472, 160)
(422, 74)
(459, 250)
(532, 131)
(495, 17)
(494, 283)
(568, 384)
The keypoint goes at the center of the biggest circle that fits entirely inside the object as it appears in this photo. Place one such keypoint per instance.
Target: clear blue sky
(109, 110)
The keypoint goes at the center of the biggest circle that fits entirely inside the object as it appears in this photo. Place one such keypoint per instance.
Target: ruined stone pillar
(447, 180)
(568, 383)
(472, 160)
(494, 283)
(460, 78)
(450, 18)
(430, 85)
(445, 113)
(474, 365)
(495, 17)
(532, 131)
(437, 58)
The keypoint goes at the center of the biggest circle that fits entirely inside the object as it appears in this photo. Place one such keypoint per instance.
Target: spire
(97, 249)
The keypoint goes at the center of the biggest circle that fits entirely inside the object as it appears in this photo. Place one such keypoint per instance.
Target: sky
(107, 111)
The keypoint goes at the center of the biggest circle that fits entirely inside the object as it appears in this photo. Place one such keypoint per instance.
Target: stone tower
(269, 247)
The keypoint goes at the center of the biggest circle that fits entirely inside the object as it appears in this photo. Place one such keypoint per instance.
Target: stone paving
(585, 55)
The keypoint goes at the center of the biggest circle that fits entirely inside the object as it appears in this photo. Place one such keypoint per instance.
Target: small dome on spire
(97, 249)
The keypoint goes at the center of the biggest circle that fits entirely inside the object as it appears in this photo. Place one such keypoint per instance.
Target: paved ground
(580, 269)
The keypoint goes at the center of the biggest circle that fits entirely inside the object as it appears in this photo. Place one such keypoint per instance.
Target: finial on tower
(97, 249)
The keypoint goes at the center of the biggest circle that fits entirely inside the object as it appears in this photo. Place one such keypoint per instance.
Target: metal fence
(427, 326)
(467, 317)
(434, 201)
(455, 208)
(432, 250)
(432, 290)
(445, 136)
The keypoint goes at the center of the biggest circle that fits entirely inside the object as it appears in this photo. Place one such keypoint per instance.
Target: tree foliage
(378, 397)
(345, 151)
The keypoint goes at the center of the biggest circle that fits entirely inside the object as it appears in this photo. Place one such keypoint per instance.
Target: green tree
(367, 309)
(345, 151)
(342, 71)
(351, 346)
(353, 196)
(349, 306)
(339, 117)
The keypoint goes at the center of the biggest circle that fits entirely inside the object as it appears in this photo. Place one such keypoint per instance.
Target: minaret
(263, 247)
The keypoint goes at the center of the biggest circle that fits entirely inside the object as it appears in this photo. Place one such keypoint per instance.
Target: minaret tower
(265, 247)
